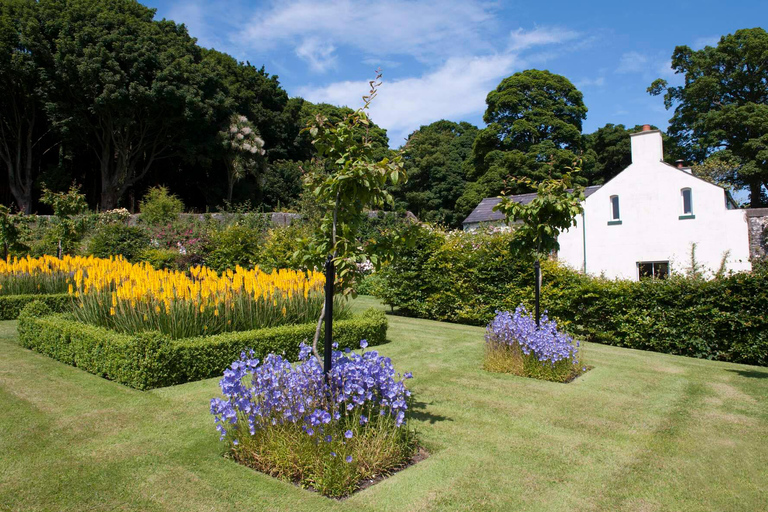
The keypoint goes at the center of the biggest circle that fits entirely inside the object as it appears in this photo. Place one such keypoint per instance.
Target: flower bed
(149, 359)
(515, 344)
(131, 298)
(325, 432)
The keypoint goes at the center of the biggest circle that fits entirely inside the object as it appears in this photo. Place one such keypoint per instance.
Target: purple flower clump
(545, 342)
(274, 391)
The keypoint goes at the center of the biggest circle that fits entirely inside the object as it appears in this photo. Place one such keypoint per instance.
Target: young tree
(346, 180)
(538, 224)
(723, 105)
(243, 150)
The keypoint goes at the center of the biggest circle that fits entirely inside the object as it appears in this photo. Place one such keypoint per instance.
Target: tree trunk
(755, 194)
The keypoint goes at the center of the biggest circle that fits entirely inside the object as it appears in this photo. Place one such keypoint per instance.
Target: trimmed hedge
(466, 277)
(11, 305)
(150, 360)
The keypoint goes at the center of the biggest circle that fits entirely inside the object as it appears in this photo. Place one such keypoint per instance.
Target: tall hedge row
(465, 278)
(150, 360)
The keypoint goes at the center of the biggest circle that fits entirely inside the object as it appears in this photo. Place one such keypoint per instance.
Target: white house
(644, 221)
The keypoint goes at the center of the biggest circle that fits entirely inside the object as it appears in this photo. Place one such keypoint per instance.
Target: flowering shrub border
(329, 432)
(12, 305)
(150, 360)
(515, 344)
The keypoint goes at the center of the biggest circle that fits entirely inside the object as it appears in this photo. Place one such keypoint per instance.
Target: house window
(687, 197)
(615, 213)
(653, 269)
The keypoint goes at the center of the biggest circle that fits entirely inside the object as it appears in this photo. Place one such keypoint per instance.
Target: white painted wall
(651, 203)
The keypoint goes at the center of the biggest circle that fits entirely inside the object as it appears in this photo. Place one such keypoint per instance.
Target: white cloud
(590, 82)
(521, 39)
(420, 28)
(318, 54)
(633, 62)
(701, 42)
(454, 91)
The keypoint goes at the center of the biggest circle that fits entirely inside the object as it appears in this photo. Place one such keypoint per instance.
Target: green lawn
(641, 431)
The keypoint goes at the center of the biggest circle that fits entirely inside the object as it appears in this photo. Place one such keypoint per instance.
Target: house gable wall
(651, 228)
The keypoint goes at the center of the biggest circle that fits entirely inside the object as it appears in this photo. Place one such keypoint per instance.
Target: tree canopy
(722, 107)
(434, 159)
(534, 128)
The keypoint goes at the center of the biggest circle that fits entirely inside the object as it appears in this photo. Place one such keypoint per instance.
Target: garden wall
(150, 360)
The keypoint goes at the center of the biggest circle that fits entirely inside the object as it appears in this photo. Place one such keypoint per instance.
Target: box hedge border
(11, 305)
(150, 360)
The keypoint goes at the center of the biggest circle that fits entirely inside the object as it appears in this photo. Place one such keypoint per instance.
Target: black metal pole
(537, 287)
(330, 277)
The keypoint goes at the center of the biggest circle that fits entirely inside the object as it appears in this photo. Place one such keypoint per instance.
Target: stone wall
(758, 233)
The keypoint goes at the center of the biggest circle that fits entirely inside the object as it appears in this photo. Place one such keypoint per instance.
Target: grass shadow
(418, 411)
(752, 374)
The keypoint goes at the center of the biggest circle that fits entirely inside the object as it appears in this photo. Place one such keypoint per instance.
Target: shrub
(466, 277)
(160, 207)
(12, 305)
(233, 246)
(515, 344)
(327, 432)
(150, 360)
(161, 258)
(118, 240)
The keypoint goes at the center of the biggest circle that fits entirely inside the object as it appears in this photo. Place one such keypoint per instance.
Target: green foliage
(466, 277)
(159, 207)
(553, 210)
(10, 234)
(243, 150)
(347, 181)
(233, 245)
(150, 360)
(161, 258)
(11, 305)
(434, 160)
(131, 88)
(723, 105)
(608, 151)
(534, 129)
(118, 239)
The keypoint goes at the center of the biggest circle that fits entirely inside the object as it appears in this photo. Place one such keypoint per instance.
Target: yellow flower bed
(133, 297)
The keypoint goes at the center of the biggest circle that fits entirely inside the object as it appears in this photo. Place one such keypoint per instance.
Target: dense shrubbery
(327, 432)
(514, 344)
(147, 360)
(12, 305)
(118, 240)
(466, 277)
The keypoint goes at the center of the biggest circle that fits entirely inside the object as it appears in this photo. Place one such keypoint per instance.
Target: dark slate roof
(483, 212)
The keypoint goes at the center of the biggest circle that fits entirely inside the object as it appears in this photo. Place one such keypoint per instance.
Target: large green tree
(722, 107)
(534, 128)
(23, 124)
(434, 159)
(122, 85)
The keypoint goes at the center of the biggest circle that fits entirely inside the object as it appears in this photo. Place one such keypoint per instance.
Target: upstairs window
(615, 212)
(687, 197)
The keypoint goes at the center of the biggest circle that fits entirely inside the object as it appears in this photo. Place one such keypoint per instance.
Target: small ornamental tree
(554, 209)
(243, 150)
(346, 179)
(67, 207)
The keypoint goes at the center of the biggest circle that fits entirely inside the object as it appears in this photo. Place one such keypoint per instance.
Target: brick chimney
(646, 145)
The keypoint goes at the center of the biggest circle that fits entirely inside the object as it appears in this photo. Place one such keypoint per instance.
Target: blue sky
(441, 58)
